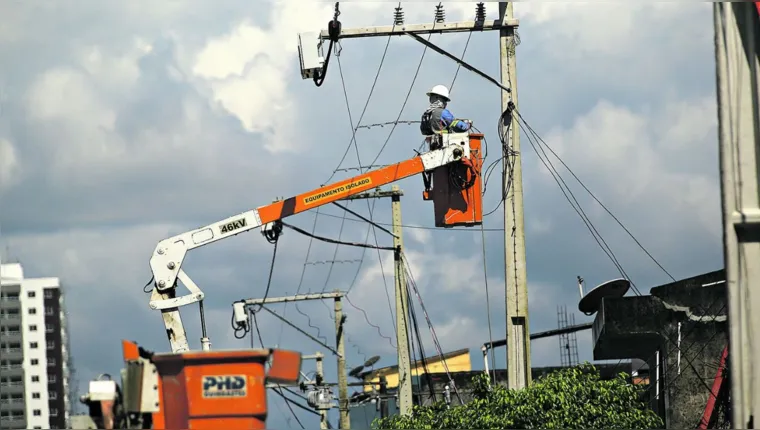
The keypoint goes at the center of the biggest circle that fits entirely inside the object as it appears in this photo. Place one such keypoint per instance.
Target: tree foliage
(569, 398)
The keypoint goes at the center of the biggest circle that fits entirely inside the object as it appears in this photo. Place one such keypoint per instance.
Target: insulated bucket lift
(456, 189)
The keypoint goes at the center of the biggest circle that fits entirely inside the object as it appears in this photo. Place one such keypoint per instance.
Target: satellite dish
(356, 371)
(590, 303)
(371, 361)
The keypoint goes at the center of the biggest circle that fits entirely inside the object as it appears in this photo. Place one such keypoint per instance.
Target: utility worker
(437, 119)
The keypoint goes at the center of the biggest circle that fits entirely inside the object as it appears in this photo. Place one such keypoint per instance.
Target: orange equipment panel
(221, 389)
(457, 189)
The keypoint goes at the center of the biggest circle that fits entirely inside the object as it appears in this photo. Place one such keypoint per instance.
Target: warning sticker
(225, 386)
(316, 197)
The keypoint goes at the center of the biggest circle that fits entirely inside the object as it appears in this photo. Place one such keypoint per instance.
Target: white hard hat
(440, 90)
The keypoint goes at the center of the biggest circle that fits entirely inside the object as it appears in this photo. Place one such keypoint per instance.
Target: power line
(419, 227)
(288, 402)
(406, 99)
(597, 200)
(577, 207)
(348, 147)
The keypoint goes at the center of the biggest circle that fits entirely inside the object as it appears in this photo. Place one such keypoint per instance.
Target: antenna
(589, 304)
(580, 286)
(356, 371)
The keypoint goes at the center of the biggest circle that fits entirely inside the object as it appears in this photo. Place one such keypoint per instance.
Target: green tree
(569, 398)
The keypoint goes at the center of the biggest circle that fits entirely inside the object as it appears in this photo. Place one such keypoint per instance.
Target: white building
(34, 356)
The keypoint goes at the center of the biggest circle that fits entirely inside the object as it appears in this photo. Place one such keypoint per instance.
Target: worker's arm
(452, 123)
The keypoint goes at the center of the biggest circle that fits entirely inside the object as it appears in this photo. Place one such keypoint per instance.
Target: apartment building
(34, 352)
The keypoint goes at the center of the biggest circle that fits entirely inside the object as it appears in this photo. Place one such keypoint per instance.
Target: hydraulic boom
(452, 149)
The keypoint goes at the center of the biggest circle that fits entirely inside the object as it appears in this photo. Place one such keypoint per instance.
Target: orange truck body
(217, 389)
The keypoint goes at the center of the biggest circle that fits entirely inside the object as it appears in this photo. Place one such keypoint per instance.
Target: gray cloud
(120, 141)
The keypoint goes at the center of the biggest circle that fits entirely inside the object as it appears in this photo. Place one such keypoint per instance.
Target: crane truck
(204, 389)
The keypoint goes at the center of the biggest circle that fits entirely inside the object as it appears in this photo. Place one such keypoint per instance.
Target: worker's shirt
(438, 120)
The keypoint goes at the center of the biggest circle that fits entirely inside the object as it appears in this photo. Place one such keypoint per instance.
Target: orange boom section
(340, 190)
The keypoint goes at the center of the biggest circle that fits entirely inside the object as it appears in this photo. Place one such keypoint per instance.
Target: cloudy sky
(123, 123)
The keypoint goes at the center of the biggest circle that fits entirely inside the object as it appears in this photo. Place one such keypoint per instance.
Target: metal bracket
(746, 217)
(195, 295)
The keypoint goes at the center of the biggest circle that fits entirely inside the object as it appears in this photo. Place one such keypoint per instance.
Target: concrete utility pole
(343, 401)
(518, 331)
(405, 399)
(320, 379)
(339, 351)
(518, 348)
(737, 47)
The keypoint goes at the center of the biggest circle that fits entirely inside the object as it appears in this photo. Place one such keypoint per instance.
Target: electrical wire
(488, 301)
(688, 360)
(423, 355)
(406, 99)
(348, 147)
(437, 344)
(597, 200)
(579, 210)
(272, 236)
(328, 240)
(570, 197)
(366, 318)
(417, 227)
(288, 402)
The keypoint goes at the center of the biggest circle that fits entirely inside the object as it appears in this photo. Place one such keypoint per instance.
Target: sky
(124, 123)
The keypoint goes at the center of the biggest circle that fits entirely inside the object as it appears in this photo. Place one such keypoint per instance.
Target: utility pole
(240, 317)
(405, 399)
(344, 422)
(518, 348)
(518, 337)
(737, 31)
(320, 380)
(383, 397)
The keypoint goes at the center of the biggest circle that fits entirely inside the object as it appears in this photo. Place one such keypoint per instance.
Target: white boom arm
(167, 258)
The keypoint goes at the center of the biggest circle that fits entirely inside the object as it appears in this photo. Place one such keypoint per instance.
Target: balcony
(12, 353)
(14, 387)
(15, 405)
(8, 319)
(12, 371)
(11, 336)
(14, 422)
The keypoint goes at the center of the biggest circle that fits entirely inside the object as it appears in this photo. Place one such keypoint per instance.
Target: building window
(35, 378)
(37, 427)
(32, 327)
(37, 412)
(31, 294)
(49, 329)
(33, 345)
(51, 362)
(35, 395)
(50, 344)
(53, 412)
(48, 293)
(49, 311)
(35, 362)
(32, 311)
(51, 379)
(53, 395)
